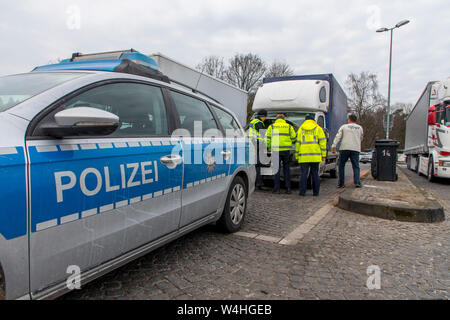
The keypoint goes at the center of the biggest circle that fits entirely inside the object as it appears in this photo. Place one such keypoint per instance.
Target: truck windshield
(297, 118)
(18, 88)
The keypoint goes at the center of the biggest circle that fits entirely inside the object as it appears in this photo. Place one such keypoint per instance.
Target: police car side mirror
(82, 121)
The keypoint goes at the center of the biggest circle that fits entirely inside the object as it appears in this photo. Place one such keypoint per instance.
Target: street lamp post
(398, 25)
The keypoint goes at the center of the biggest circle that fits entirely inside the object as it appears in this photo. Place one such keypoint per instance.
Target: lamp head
(401, 23)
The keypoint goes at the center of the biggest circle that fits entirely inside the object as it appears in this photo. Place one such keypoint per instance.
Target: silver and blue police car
(93, 172)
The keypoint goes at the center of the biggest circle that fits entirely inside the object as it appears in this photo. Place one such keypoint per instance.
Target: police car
(103, 159)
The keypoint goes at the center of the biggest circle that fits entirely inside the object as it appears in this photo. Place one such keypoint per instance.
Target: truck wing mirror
(432, 116)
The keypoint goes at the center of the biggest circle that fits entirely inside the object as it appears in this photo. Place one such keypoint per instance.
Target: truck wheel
(235, 207)
(430, 172)
(333, 174)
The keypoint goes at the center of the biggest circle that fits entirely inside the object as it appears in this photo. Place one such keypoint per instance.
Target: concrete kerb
(432, 213)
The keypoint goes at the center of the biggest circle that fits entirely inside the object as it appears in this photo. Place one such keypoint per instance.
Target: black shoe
(301, 195)
(315, 195)
(276, 191)
(288, 191)
(341, 186)
(260, 188)
(358, 185)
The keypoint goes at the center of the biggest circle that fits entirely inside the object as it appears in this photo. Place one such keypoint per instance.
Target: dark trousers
(344, 155)
(283, 157)
(313, 168)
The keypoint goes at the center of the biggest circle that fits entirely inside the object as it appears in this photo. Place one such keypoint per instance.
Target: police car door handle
(171, 161)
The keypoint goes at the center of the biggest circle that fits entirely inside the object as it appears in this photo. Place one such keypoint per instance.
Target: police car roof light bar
(130, 54)
(78, 56)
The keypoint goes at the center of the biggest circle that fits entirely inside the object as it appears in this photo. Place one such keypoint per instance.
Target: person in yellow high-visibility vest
(257, 137)
(310, 151)
(280, 137)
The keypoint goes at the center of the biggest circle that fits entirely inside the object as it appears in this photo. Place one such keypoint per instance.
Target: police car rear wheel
(235, 207)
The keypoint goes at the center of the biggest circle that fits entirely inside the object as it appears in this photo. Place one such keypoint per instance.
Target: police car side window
(140, 107)
(193, 111)
(228, 123)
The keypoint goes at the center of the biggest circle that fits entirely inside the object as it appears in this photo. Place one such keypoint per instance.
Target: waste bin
(384, 166)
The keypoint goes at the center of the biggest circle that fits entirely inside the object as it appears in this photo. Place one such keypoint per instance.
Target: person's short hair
(281, 115)
(352, 117)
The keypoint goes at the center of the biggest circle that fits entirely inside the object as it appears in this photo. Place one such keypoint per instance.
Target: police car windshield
(18, 88)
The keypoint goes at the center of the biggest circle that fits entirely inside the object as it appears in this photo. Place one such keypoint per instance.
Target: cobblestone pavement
(330, 262)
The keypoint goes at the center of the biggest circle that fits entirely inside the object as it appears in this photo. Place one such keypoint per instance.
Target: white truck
(427, 140)
(229, 96)
(319, 95)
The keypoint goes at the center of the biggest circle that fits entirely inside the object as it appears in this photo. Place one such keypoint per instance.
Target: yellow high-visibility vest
(252, 132)
(311, 143)
(280, 136)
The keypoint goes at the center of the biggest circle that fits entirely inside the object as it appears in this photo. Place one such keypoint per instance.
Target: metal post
(389, 89)
(388, 111)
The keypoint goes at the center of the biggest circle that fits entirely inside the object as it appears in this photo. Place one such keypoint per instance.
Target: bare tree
(363, 93)
(214, 66)
(399, 128)
(279, 69)
(367, 104)
(246, 71)
(405, 107)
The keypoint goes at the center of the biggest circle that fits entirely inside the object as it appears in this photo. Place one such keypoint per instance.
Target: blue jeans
(304, 170)
(344, 155)
(283, 158)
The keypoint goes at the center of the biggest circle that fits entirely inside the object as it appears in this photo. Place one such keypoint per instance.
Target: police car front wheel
(235, 207)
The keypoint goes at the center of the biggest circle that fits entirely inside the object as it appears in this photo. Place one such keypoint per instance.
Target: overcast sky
(322, 36)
